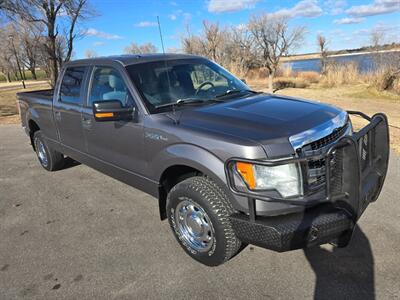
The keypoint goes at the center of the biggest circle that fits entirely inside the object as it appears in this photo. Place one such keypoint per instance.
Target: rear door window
(71, 85)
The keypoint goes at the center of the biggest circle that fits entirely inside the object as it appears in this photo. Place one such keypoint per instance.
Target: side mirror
(111, 110)
(243, 80)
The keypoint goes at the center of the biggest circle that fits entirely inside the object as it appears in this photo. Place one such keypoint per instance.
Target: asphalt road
(78, 234)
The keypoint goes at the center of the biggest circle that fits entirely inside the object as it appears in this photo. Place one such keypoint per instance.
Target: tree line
(42, 33)
(39, 33)
(258, 44)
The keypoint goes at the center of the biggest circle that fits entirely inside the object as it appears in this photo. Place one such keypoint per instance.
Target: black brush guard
(355, 170)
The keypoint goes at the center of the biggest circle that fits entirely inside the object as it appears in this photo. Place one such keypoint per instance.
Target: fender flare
(32, 115)
(191, 156)
(194, 157)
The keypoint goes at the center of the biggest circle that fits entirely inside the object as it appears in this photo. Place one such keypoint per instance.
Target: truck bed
(40, 94)
(40, 105)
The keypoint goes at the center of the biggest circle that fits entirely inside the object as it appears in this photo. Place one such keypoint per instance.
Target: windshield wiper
(230, 92)
(185, 101)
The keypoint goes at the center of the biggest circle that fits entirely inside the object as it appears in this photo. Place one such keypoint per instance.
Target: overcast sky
(345, 23)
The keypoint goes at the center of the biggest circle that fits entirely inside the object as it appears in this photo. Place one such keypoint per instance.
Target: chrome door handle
(87, 122)
(57, 115)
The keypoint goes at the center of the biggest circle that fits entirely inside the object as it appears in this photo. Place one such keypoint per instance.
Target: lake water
(365, 62)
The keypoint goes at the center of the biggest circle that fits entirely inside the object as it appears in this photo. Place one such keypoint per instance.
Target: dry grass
(8, 106)
(396, 86)
(287, 78)
(285, 71)
(289, 82)
(341, 74)
(385, 78)
(256, 74)
(309, 76)
(15, 119)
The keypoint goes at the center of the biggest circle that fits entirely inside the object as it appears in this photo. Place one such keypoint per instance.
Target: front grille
(316, 174)
(316, 177)
(329, 139)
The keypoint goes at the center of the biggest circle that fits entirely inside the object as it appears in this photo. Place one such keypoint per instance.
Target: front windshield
(164, 82)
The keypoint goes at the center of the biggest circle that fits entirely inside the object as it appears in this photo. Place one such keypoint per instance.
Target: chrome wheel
(42, 154)
(194, 225)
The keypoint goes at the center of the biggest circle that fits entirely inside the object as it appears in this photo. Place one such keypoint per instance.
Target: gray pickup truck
(228, 165)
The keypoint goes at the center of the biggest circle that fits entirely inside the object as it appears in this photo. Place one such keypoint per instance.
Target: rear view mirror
(111, 110)
(243, 80)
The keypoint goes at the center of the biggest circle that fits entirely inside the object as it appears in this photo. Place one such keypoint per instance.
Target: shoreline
(318, 56)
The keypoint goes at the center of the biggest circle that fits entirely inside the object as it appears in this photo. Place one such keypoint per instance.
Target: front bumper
(294, 231)
(355, 168)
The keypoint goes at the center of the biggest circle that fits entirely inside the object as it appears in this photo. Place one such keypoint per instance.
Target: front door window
(108, 84)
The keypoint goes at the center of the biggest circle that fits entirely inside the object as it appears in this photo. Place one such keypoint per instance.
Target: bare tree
(377, 38)
(89, 53)
(213, 41)
(47, 13)
(241, 50)
(31, 46)
(273, 40)
(192, 44)
(135, 48)
(387, 64)
(7, 58)
(20, 44)
(322, 47)
(12, 46)
(76, 10)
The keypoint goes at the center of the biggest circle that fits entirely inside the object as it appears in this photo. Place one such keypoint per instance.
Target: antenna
(161, 38)
(165, 64)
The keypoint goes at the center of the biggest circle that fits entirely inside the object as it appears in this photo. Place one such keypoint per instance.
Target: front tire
(49, 158)
(198, 212)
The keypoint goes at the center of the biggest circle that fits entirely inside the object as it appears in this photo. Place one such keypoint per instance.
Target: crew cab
(228, 165)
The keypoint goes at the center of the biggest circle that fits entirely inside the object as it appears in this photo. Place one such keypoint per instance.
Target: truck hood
(270, 120)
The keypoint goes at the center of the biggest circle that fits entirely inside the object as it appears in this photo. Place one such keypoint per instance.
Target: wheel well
(169, 178)
(33, 127)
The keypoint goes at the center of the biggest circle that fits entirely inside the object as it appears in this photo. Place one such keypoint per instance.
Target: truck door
(119, 143)
(68, 109)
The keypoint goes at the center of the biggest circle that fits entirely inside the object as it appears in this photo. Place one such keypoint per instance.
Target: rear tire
(49, 158)
(198, 212)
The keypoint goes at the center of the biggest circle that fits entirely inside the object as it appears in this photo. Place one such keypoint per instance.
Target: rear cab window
(72, 85)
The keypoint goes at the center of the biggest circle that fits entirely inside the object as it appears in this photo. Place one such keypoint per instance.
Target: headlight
(286, 179)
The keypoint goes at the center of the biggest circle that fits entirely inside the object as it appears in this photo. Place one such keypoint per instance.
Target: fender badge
(155, 136)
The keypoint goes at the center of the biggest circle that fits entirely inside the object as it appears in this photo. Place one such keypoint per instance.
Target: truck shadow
(69, 163)
(345, 273)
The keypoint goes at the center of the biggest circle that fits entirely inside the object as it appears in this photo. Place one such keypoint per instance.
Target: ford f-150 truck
(228, 165)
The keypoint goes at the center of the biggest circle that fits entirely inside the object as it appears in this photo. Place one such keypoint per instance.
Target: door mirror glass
(111, 110)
